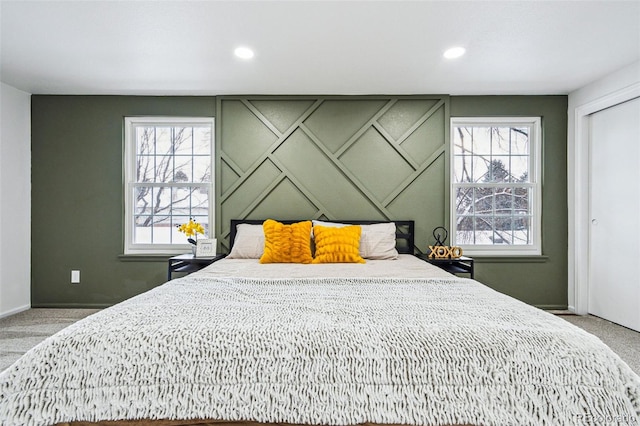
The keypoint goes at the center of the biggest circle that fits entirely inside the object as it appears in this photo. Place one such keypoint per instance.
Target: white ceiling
(314, 47)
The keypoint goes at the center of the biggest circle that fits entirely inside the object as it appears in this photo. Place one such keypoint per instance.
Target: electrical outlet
(75, 277)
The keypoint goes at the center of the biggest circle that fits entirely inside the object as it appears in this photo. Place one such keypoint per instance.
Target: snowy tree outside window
(496, 199)
(168, 179)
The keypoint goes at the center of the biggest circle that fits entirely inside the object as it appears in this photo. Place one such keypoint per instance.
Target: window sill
(510, 259)
(144, 257)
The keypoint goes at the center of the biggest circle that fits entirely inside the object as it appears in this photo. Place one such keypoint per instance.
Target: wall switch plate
(75, 277)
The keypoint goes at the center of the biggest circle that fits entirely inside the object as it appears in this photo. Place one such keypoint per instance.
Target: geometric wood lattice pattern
(333, 157)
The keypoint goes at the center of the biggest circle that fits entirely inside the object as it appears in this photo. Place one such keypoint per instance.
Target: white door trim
(578, 193)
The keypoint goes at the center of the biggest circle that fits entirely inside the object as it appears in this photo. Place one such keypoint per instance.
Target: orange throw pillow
(337, 245)
(286, 243)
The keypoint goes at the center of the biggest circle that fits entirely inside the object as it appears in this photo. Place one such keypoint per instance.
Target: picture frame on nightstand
(206, 247)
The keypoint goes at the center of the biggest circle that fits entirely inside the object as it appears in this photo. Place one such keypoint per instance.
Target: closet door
(614, 259)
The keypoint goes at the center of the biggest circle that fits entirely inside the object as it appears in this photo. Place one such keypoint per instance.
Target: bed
(389, 341)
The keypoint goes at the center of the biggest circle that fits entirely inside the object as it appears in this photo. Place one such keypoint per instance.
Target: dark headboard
(404, 230)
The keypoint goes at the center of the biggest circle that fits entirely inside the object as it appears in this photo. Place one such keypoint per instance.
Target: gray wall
(284, 157)
(15, 203)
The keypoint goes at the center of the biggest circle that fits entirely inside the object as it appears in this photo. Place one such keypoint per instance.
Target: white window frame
(129, 177)
(535, 185)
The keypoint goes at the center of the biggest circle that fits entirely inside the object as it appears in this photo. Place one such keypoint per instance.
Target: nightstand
(460, 265)
(188, 263)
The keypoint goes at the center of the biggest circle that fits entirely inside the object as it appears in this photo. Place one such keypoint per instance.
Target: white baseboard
(14, 311)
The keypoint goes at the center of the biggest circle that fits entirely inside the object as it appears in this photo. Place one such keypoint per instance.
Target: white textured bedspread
(322, 351)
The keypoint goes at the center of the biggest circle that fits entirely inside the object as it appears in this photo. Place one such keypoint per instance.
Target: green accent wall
(349, 157)
(77, 197)
(333, 157)
(540, 281)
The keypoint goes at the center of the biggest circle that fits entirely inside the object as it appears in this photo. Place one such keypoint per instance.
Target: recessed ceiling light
(454, 52)
(243, 52)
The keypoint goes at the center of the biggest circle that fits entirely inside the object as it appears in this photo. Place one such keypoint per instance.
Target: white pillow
(377, 241)
(248, 242)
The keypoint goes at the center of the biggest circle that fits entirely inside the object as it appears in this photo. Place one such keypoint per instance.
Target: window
(168, 179)
(496, 191)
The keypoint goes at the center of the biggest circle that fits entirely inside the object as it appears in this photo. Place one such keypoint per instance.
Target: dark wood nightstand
(187, 263)
(461, 265)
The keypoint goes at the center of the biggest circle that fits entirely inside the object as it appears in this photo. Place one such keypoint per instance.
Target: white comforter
(322, 351)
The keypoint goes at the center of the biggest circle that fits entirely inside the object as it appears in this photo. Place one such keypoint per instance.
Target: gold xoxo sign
(444, 252)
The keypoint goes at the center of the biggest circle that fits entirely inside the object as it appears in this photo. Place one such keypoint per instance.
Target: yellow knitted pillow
(337, 245)
(286, 243)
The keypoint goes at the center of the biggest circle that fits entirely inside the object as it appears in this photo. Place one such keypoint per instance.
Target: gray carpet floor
(24, 330)
(21, 332)
(623, 341)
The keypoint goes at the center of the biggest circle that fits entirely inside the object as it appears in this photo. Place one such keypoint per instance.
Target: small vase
(193, 250)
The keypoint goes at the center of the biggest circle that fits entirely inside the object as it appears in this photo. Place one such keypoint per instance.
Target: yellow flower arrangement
(191, 229)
